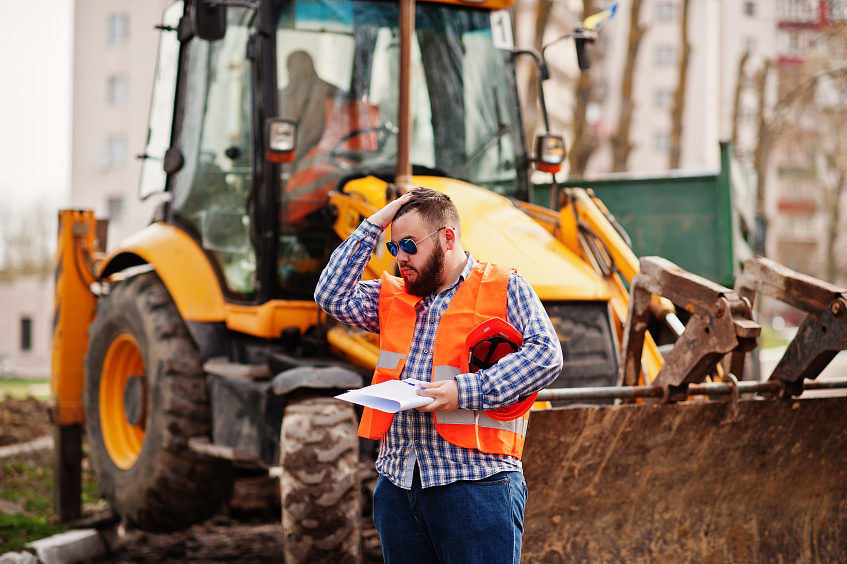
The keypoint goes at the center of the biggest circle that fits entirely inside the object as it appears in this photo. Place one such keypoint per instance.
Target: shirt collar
(468, 267)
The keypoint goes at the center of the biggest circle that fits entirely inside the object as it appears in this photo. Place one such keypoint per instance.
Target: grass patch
(16, 530)
(22, 388)
(29, 489)
(770, 338)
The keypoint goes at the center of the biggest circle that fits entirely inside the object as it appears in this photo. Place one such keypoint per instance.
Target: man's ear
(450, 235)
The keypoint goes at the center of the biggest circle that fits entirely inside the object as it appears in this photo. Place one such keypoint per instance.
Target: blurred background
(672, 84)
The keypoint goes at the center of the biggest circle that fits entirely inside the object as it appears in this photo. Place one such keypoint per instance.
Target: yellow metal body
(183, 267)
(191, 281)
(359, 347)
(580, 208)
(73, 310)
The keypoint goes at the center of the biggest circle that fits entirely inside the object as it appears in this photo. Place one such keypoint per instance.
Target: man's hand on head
(445, 392)
(385, 216)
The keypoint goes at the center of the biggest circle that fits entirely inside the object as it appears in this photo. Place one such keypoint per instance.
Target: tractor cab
(325, 72)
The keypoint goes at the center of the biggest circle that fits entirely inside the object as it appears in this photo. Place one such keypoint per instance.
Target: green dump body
(704, 222)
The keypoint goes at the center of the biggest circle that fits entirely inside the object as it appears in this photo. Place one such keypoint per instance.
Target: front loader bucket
(752, 481)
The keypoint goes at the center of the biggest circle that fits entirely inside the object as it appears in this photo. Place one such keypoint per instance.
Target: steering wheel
(357, 156)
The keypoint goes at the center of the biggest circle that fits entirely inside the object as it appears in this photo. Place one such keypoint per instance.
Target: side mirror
(209, 20)
(549, 152)
(281, 139)
(581, 38)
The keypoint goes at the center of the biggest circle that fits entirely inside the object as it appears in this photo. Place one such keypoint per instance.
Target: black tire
(319, 485)
(145, 471)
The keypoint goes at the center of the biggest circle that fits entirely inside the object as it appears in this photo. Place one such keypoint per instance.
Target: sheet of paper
(391, 396)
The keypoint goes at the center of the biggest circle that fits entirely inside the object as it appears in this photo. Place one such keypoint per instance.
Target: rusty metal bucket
(753, 481)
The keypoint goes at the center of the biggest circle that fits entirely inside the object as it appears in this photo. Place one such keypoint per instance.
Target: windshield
(338, 72)
(338, 78)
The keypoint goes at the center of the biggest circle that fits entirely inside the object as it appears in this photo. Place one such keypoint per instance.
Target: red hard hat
(490, 341)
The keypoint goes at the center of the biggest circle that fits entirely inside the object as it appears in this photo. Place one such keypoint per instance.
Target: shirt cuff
(470, 391)
(368, 230)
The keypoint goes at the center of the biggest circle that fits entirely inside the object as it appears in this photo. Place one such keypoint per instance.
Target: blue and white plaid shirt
(412, 437)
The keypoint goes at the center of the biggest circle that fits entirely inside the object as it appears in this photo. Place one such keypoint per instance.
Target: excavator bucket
(756, 481)
(703, 469)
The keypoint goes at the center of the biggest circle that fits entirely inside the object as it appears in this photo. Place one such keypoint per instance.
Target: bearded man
(451, 485)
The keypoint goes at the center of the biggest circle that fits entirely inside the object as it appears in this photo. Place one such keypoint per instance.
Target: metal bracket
(821, 335)
(721, 323)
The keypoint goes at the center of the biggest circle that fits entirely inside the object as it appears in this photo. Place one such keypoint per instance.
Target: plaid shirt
(412, 437)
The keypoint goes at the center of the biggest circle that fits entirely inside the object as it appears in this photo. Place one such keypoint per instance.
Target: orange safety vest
(480, 297)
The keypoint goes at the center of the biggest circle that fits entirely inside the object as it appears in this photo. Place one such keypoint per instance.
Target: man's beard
(429, 277)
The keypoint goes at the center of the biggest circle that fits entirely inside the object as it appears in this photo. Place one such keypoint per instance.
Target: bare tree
(835, 192)
(807, 123)
(27, 239)
(736, 107)
(767, 130)
(621, 145)
(679, 96)
(585, 140)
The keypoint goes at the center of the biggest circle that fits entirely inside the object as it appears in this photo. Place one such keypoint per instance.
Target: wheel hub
(123, 401)
(135, 400)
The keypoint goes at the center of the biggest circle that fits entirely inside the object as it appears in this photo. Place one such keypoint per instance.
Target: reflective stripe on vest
(473, 417)
(481, 296)
(389, 360)
(480, 419)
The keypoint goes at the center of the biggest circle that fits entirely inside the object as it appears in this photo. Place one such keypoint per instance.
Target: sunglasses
(407, 245)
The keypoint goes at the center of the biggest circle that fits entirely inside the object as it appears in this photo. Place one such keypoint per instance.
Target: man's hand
(445, 392)
(385, 216)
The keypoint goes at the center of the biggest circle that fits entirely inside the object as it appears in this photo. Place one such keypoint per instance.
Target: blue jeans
(465, 522)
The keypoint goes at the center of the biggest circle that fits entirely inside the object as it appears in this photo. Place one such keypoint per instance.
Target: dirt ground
(248, 529)
(22, 420)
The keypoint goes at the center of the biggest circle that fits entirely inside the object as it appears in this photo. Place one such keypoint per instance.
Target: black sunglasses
(409, 247)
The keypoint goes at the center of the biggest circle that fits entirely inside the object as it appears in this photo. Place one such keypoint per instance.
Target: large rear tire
(319, 485)
(145, 396)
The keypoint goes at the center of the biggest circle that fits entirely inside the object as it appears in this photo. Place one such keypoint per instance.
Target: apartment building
(115, 50)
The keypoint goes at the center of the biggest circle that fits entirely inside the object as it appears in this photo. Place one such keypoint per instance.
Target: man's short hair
(435, 208)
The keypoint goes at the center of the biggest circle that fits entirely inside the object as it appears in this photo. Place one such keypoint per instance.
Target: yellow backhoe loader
(194, 348)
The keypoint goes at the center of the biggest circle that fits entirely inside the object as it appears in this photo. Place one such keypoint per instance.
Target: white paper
(391, 396)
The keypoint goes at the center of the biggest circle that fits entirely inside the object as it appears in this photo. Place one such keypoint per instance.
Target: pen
(413, 383)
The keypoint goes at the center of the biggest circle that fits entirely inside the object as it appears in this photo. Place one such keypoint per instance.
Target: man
(304, 100)
(451, 487)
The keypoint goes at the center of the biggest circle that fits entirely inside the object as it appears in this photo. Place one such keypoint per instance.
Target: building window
(664, 11)
(116, 150)
(118, 29)
(798, 10)
(747, 116)
(838, 11)
(663, 98)
(115, 207)
(749, 9)
(749, 44)
(664, 55)
(26, 334)
(118, 90)
(799, 226)
(793, 42)
(662, 141)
